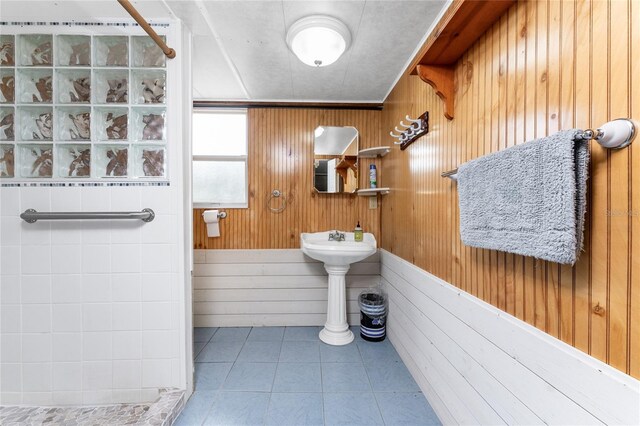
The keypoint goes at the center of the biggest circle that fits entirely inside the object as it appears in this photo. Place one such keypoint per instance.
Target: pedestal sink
(337, 257)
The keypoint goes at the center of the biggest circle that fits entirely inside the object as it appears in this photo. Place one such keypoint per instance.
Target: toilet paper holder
(222, 215)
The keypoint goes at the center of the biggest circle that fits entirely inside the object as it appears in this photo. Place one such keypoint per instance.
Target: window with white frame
(220, 158)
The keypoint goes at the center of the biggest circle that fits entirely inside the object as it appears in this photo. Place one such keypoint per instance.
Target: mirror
(335, 155)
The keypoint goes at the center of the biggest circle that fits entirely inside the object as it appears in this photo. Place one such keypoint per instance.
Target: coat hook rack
(169, 52)
(416, 128)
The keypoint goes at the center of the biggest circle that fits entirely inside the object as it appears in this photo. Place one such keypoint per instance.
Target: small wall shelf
(462, 24)
(376, 152)
(372, 192)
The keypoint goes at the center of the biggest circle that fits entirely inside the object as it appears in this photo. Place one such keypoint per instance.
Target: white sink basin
(339, 253)
(337, 257)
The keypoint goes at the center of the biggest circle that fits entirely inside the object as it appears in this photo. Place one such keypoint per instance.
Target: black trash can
(373, 315)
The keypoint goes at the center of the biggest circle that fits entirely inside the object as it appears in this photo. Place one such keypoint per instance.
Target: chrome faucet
(337, 236)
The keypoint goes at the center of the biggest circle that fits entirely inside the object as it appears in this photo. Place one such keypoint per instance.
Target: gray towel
(529, 199)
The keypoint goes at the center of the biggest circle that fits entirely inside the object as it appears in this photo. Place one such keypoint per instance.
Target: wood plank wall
(240, 288)
(281, 157)
(545, 66)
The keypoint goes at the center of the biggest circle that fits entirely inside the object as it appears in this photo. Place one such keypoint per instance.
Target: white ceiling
(239, 48)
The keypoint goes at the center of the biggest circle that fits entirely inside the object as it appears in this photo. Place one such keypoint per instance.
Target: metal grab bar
(32, 216)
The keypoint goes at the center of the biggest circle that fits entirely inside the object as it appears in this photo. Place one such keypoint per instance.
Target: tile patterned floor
(287, 376)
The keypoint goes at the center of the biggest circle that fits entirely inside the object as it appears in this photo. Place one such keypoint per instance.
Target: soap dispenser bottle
(357, 233)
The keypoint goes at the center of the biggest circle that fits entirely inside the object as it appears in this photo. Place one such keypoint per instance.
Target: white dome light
(318, 40)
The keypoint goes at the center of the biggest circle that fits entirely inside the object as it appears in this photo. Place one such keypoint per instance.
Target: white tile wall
(127, 345)
(36, 259)
(96, 288)
(36, 318)
(127, 374)
(10, 347)
(65, 259)
(97, 316)
(67, 288)
(97, 375)
(155, 372)
(67, 376)
(67, 398)
(96, 346)
(10, 260)
(96, 259)
(159, 344)
(125, 258)
(10, 231)
(74, 314)
(127, 316)
(67, 346)
(126, 287)
(36, 377)
(36, 347)
(89, 309)
(11, 377)
(66, 233)
(37, 398)
(154, 316)
(36, 289)
(156, 287)
(98, 397)
(67, 317)
(10, 320)
(10, 289)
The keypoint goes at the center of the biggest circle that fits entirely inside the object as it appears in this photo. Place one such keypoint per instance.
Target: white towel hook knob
(616, 134)
(413, 120)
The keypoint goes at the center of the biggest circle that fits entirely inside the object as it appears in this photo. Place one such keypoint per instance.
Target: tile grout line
(371, 385)
(275, 373)
(204, 419)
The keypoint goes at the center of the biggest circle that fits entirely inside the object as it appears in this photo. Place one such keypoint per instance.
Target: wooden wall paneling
(583, 99)
(544, 66)
(281, 157)
(553, 307)
(502, 27)
(530, 133)
(619, 190)
(633, 336)
(600, 173)
(495, 140)
(484, 73)
(471, 80)
(510, 138)
(566, 120)
(519, 135)
(464, 151)
(540, 123)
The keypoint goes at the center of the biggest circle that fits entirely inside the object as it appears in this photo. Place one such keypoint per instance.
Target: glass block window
(220, 158)
(82, 107)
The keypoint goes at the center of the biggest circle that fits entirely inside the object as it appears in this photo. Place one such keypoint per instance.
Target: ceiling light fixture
(318, 40)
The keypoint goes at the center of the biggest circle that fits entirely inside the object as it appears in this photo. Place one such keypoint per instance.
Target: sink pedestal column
(336, 330)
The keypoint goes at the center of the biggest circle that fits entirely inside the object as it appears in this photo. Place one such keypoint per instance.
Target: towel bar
(32, 216)
(616, 134)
